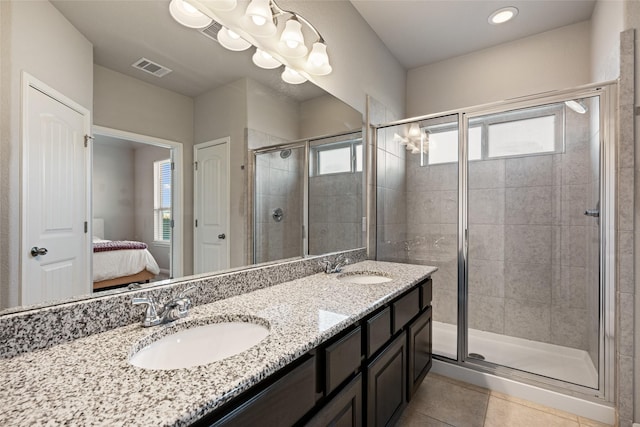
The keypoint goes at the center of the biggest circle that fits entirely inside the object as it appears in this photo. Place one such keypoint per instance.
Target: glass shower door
(533, 287)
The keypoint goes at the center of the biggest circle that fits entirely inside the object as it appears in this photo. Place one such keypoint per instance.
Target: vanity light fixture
(264, 60)
(503, 15)
(577, 106)
(231, 40)
(292, 41)
(293, 77)
(258, 19)
(277, 34)
(188, 15)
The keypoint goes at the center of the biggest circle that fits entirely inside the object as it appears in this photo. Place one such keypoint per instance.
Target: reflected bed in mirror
(211, 96)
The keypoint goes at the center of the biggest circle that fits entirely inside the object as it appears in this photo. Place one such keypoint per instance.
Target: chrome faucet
(174, 309)
(334, 266)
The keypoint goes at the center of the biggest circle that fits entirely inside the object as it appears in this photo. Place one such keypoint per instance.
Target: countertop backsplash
(43, 327)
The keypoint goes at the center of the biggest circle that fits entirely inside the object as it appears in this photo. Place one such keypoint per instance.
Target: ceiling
(421, 32)
(417, 33)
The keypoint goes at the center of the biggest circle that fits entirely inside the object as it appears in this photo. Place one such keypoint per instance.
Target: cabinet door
(344, 410)
(386, 384)
(419, 349)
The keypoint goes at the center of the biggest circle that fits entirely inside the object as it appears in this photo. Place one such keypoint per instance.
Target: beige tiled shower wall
(335, 212)
(528, 239)
(279, 185)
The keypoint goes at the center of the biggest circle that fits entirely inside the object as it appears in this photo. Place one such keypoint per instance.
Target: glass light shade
(188, 15)
(231, 40)
(292, 41)
(576, 106)
(414, 131)
(292, 76)
(503, 15)
(264, 60)
(318, 61)
(258, 19)
(222, 5)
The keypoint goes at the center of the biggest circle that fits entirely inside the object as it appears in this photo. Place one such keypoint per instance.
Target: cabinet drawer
(281, 404)
(378, 331)
(342, 358)
(405, 309)
(426, 293)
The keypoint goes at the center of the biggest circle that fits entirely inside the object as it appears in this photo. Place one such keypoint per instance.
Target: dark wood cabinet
(419, 351)
(281, 404)
(363, 376)
(344, 410)
(386, 384)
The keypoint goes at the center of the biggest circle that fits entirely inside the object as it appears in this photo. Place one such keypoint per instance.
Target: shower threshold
(550, 360)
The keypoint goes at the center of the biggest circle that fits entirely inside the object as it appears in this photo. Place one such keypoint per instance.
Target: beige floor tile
(506, 413)
(449, 403)
(586, 422)
(416, 419)
(534, 405)
(460, 383)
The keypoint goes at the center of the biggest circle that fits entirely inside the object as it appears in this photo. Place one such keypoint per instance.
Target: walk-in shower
(506, 201)
(308, 197)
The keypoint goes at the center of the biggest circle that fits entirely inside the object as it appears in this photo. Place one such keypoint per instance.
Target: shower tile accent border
(44, 327)
(625, 277)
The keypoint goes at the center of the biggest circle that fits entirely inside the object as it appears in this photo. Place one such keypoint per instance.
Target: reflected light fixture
(293, 77)
(284, 32)
(264, 60)
(258, 19)
(416, 141)
(577, 106)
(292, 41)
(188, 15)
(503, 15)
(231, 40)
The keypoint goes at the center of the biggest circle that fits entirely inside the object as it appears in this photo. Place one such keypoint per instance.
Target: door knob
(222, 236)
(35, 251)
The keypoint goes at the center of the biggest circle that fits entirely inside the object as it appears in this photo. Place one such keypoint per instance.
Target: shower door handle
(592, 212)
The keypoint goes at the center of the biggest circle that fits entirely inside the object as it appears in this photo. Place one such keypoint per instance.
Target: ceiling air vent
(151, 67)
(212, 30)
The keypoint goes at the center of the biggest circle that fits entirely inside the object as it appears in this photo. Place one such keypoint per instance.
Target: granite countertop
(90, 382)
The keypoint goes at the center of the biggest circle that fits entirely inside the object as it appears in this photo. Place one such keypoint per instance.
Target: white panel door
(211, 206)
(54, 204)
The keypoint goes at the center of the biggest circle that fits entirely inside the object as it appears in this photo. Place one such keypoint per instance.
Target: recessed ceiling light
(503, 15)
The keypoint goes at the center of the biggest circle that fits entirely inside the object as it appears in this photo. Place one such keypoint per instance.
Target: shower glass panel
(335, 194)
(417, 218)
(279, 196)
(533, 289)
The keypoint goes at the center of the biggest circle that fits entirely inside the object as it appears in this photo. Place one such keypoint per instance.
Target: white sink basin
(364, 277)
(199, 345)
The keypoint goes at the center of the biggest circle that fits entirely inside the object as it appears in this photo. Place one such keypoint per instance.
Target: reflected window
(162, 201)
(339, 157)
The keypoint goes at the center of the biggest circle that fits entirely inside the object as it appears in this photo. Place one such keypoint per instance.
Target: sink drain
(476, 356)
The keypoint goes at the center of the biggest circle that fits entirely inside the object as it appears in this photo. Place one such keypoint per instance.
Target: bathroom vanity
(340, 350)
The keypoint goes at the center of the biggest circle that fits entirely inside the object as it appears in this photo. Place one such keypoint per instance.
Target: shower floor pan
(550, 360)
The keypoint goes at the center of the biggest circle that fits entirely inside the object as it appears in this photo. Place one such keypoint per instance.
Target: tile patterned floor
(444, 402)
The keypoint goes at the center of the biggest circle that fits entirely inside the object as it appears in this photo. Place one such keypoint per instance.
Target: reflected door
(55, 244)
(211, 206)
(534, 256)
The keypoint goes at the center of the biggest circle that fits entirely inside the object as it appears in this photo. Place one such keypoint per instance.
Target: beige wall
(64, 63)
(124, 103)
(219, 113)
(509, 70)
(271, 112)
(606, 24)
(327, 115)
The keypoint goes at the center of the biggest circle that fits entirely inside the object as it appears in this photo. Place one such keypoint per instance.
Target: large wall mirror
(172, 155)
